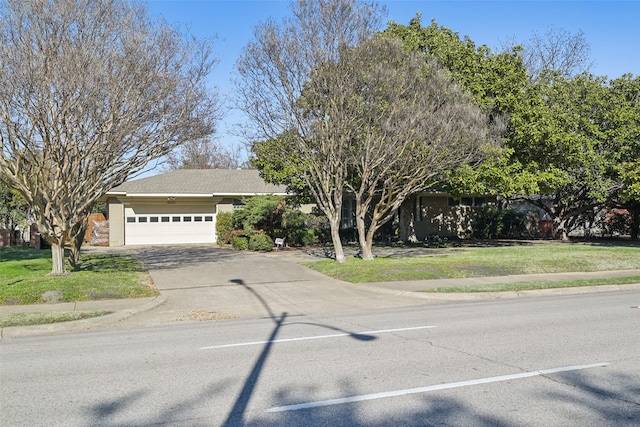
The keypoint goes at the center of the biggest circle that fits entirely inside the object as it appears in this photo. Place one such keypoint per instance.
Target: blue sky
(612, 29)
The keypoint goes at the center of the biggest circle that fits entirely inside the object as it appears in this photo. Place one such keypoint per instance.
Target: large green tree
(572, 148)
(557, 136)
(496, 82)
(92, 90)
(622, 126)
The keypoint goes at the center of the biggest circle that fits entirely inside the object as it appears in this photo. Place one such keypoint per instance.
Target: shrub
(618, 222)
(492, 223)
(304, 229)
(435, 241)
(309, 237)
(224, 226)
(260, 242)
(260, 213)
(239, 242)
(272, 216)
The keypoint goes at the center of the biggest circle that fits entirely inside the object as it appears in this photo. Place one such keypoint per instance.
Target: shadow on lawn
(18, 253)
(109, 263)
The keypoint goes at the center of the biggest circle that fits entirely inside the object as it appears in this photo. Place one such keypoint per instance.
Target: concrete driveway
(207, 282)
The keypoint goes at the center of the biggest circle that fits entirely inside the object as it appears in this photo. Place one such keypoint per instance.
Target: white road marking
(316, 337)
(426, 389)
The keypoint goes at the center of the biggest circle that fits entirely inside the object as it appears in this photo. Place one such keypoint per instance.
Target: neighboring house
(437, 213)
(426, 214)
(179, 206)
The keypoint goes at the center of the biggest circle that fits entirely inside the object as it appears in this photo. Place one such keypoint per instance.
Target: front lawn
(24, 278)
(486, 261)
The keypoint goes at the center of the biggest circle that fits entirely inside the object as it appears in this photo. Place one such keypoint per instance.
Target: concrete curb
(472, 296)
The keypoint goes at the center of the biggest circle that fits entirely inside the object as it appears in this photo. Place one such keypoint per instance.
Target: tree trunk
(57, 258)
(76, 241)
(560, 229)
(366, 243)
(334, 223)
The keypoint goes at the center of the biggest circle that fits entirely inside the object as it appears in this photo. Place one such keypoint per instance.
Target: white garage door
(145, 226)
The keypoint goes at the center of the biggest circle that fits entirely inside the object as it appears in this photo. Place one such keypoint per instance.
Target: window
(197, 218)
(208, 218)
(479, 201)
(466, 201)
(131, 219)
(175, 219)
(453, 202)
(238, 204)
(153, 219)
(187, 219)
(142, 219)
(164, 219)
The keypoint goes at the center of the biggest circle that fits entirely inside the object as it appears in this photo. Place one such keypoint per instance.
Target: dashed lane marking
(364, 397)
(317, 337)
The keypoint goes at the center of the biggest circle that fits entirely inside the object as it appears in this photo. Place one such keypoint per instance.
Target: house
(179, 206)
(423, 215)
(437, 213)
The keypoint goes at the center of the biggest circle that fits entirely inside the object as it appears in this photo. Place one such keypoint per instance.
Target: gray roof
(201, 182)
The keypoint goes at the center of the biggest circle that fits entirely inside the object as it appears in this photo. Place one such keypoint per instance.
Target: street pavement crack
(477, 356)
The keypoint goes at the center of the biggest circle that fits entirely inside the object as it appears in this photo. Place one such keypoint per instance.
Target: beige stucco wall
(307, 208)
(225, 205)
(116, 222)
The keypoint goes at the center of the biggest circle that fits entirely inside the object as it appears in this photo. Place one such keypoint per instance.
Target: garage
(179, 207)
(149, 225)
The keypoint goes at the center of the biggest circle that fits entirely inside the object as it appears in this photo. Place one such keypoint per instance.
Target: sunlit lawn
(486, 261)
(24, 277)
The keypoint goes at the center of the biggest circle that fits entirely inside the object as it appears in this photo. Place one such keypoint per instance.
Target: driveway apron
(207, 282)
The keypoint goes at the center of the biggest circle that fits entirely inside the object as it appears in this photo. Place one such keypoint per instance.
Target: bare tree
(405, 123)
(273, 70)
(204, 153)
(92, 90)
(556, 49)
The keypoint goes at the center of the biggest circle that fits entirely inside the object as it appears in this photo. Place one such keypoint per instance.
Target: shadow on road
(167, 257)
(237, 413)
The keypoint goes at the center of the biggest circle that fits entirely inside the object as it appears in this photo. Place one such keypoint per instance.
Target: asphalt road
(570, 360)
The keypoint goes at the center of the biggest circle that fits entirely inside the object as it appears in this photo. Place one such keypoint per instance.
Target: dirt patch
(146, 280)
(208, 315)
(52, 297)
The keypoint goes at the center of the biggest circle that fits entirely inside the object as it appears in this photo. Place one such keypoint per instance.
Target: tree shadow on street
(616, 402)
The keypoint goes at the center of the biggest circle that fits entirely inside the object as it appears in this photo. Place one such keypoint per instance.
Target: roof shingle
(202, 181)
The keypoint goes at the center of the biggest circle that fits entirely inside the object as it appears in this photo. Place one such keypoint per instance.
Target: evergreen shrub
(260, 242)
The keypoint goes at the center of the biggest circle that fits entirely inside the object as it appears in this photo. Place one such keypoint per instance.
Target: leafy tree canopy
(496, 80)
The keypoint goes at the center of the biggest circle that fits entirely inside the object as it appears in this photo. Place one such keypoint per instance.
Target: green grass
(486, 261)
(24, 278)
(529, 286)
(28, 319)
